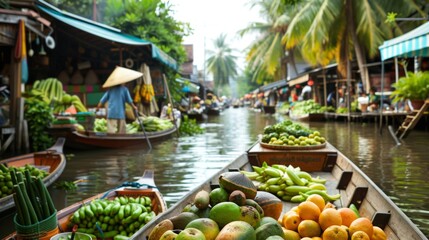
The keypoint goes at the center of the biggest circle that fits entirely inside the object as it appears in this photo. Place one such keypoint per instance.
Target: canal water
(180, 163)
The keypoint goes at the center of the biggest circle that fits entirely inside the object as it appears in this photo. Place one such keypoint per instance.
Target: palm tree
(327, 30)
(267, 54)
(221, 62)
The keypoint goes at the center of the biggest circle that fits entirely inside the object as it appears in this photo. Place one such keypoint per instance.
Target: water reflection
(182, 163)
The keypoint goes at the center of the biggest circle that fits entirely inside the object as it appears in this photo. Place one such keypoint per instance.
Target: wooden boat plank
(375, 201)
(90, 139)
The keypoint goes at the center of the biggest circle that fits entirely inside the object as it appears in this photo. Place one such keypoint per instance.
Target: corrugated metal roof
(105, 32)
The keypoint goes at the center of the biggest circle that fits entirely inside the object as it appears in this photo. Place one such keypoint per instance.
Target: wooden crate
(312, 160)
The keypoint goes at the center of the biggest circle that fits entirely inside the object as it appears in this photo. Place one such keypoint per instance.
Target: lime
(218, 195)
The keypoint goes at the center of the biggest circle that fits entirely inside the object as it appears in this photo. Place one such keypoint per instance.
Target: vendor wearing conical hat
(116, 97)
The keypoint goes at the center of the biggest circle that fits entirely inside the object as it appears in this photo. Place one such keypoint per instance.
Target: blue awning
(411, 44)
(188, 86)
(105, 32)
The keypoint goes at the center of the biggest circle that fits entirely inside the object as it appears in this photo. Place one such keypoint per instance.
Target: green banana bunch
(289, 183)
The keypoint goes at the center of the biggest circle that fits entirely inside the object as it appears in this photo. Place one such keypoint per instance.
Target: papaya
(168, 235)
(251, 202)
(250, 215)
(237, 197)
(275, 237)
(269, 229)
(190, 234)
(182, 219)
(237, 230)
(218, 195)
(207, 226)
(160, 229)
(224, 213)
(202, 199)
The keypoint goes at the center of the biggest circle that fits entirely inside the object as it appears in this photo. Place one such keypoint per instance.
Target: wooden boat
(213, 111)
(343, 177)
(52, 160)
(269, 109)
(316, 117)
(89, 139)
(143, 186)
(298, 117)
(197, 116)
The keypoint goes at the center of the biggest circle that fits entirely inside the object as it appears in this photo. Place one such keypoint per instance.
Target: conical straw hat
(121, 75)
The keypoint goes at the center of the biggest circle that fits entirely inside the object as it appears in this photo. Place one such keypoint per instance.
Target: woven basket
(286, 147)
(38, 229)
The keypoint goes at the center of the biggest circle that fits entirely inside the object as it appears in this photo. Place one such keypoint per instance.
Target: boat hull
(90, 140)
(344, 178)
(148, 189)
(53, 158)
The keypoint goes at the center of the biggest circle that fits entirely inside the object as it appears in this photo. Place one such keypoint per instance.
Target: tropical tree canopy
(221, 62)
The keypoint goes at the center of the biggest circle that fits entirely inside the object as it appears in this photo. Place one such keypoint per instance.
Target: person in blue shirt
(116, 97)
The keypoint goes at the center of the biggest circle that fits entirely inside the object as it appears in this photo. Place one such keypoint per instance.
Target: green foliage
(39, 116)
(151, 20)
(189, 127)
(65, 185)
(414, 86)
(310, 106)
(222, 62)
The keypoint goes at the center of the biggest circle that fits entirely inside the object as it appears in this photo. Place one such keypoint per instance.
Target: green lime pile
(288, 133)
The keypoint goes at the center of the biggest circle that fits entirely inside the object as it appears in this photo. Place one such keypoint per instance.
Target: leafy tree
(268, 54)
(150, 20)
(327, 30)
(221, 62)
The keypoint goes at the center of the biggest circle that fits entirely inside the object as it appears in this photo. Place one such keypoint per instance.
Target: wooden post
(19, 124)
(171, 102)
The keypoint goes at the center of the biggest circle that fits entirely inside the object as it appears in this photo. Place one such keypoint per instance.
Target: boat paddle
(144, 131)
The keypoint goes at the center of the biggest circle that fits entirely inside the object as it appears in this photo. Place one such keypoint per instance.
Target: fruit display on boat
(150, 124)
(290, 134)
(289, 183)
(51, 91)
(224, 214)
(313, 218)
(120, 217)
(6, 176)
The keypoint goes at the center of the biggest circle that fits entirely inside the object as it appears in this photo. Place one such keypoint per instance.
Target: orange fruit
(291, 221)
(335, 232)
(309, 228)
(329, 205)
(318, 200)
(308, 211)
(347, 215)
(329, 217)
(378, 234)
(360, 235)
(290, 235)
(316, 238)
(361, 224)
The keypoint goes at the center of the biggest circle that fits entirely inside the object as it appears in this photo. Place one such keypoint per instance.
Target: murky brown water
(181, 163)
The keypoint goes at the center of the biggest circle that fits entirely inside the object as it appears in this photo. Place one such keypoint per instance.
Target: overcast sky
(211, 18)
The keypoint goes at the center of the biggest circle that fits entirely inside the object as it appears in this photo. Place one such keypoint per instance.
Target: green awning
(414, 43)
(105, 32)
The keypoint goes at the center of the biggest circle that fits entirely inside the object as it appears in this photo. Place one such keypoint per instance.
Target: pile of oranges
(314, 219)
